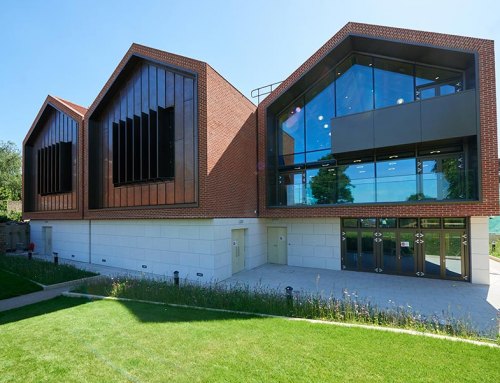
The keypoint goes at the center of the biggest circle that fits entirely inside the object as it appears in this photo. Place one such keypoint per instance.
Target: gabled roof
(77, 108)
(73, 110)
(139, 52)
(388, 41)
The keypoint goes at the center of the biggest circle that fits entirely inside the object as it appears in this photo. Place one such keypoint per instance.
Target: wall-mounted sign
(405, 244)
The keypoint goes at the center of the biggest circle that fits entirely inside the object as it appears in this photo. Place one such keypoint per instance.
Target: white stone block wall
(479, 250)
(312, 242)
(70, 238)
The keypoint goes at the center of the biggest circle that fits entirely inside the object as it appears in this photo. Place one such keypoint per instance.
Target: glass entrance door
(407, 252)
(388, 258)
(429, 247)
(368, 261)
(431, 254)
(454, 243)
(350, 250)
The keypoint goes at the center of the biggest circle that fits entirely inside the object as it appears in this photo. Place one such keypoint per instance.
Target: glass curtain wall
(308, 173)
(401, 177)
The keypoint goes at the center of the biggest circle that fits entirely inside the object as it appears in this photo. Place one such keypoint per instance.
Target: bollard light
(56, 258)
(176, 278)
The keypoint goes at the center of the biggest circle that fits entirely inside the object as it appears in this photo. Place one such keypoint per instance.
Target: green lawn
(74, 340)
(13, 285)
(42, 272)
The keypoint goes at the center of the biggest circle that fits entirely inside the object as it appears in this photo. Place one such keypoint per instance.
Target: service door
(276, 245)
(238, 249)
(47, 240)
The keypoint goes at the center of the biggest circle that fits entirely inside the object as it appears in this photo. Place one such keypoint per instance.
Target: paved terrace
(477, 304)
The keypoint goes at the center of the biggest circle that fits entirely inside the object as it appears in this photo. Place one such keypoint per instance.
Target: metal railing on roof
(264, 90)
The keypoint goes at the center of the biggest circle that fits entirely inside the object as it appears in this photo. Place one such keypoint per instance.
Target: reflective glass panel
(321, 185)
(292, 159)
(351, 250)
(432, 257)
(429, 179)
(387, 222)
(319, 155)
(396, 180)
(431, 82)
(428, 75)
(454, 223)
(319, 110)
(443, 178)
(350, 222)
(407, 251)
(291, 123)
(393, 82)
(292, 189)
(356, 183)
(390, 264)
(408, 223)
(354, 85)
(367, 253)
(453, 254)
(430, 223)
(368, 222)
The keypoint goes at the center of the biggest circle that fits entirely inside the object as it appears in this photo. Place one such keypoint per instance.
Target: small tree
(10, 174)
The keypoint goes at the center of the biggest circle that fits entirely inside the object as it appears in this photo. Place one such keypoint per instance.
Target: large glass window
(354, 85)
(432, 82)
(393, 82)
(310, 173)
(292, 143)
(396, 180)
(443, 178)
(356, 183)
(292, 188)
(321, 186)
(319, 110)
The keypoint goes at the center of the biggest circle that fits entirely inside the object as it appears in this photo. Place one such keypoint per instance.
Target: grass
(42, 272)
(266, 301)
(496, 252)
(127, 341)
(12, 285)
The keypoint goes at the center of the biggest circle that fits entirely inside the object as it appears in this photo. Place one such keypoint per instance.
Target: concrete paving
(29, 299)
(477, 304)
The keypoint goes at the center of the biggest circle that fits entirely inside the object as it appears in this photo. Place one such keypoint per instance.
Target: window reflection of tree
(331, 185)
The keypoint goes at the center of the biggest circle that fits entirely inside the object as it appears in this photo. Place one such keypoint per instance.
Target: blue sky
(70, 48)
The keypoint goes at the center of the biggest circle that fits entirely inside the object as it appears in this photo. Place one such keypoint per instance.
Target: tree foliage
(10, 174)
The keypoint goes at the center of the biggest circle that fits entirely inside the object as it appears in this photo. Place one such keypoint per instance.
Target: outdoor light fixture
(320, 118)
(400, 101)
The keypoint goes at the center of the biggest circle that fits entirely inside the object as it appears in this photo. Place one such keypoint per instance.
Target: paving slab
(476, 304)
(29, 299)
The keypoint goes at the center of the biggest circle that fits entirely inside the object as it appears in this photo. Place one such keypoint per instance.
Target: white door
(238, 249)
(47, 240)
(276, 245)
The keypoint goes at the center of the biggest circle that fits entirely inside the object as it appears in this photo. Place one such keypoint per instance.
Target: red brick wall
(489, 204)
(231, 187)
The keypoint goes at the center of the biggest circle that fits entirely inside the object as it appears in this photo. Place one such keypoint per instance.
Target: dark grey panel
(449, 116)
(397, 125)
(353, 132)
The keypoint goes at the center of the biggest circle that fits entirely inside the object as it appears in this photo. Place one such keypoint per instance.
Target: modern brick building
(378, 154)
